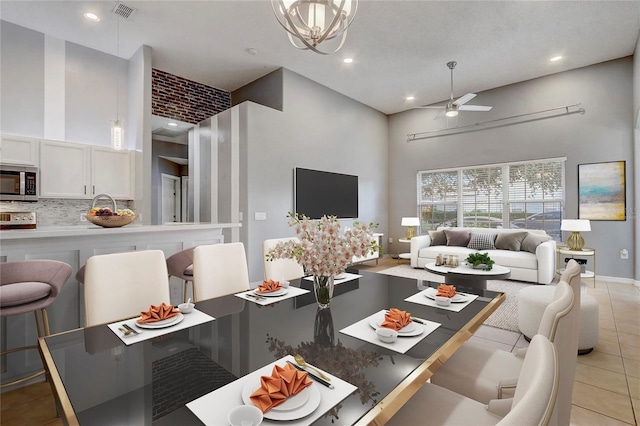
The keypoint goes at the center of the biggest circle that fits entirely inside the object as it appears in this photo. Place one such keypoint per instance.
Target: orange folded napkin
(396, 319)
(157, 313)
(275, 389)
(269, 286)
(446, 290)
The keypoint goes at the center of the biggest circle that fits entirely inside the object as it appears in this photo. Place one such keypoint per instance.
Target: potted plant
(480, 261)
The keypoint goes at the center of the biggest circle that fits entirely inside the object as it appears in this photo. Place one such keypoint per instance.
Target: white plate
(340, 276)
(458, 298)
(276, 293)
(310, 395)
(162, 324)
(413, 329)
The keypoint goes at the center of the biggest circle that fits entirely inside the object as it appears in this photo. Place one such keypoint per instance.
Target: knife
(313, 376)
(130, 329)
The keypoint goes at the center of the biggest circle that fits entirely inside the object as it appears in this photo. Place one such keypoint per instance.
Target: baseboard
(617, 280)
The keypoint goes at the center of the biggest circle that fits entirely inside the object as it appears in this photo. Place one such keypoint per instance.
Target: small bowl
(186, 308)
(284, 283)
(245, 415)
(442, 301)
(387, 335)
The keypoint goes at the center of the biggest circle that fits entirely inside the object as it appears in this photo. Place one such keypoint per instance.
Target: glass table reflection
(99, 380)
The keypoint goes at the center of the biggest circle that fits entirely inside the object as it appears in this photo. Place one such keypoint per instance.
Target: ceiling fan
(452, 107)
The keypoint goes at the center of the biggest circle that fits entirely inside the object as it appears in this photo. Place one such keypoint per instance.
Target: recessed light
(172, 124)
(348, 60)
(555, 58)
(410, 98)
(92, 17)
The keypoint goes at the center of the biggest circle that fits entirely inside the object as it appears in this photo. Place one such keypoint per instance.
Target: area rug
(505, 317)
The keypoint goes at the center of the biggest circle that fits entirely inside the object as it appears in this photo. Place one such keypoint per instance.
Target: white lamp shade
(575, 225)
(410, 221)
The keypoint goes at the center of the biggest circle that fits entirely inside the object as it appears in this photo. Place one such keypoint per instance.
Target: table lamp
(575, 240)
(410, 223)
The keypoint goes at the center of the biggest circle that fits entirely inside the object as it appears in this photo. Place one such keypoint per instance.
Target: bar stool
(30, 286)
(180, 265)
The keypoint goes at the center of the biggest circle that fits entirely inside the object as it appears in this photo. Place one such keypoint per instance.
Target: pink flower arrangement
(322, 249)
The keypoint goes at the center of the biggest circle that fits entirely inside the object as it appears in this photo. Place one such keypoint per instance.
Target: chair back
(535, 394)
(280, 269)
(121, 285)
(179, 263)
(219, 269)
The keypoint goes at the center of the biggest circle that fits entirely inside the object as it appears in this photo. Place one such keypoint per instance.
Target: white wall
(603, 133)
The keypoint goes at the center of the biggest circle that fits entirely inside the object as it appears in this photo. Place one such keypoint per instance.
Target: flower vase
(323, 289)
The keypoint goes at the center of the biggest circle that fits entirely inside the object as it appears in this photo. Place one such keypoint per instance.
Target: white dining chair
(280, 269)
(484, 373)
(121, 285)
(532, 403)
(219, 269)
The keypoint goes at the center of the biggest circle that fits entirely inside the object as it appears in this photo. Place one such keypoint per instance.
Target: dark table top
(150, 382)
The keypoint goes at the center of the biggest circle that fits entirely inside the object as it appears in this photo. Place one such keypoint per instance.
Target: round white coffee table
(467, 276)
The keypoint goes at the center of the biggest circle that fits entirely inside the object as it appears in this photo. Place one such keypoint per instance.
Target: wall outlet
(260, 216)
(624, 254)
(83, 217)
(390, 240)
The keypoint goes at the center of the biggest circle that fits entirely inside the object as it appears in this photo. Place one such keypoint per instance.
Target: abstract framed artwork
(602, 191)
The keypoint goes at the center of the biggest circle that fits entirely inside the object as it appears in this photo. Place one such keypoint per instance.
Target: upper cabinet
(84, 171)
(18, 150)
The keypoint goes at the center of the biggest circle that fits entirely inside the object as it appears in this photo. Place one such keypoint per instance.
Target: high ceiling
(400, 48)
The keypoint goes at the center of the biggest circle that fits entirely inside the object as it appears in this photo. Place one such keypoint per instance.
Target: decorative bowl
(245, 415)
(186, 308)
(111, 221)
(442, 300)
(387, 335)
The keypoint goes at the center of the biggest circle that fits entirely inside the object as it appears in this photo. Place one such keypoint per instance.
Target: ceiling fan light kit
(311, 22)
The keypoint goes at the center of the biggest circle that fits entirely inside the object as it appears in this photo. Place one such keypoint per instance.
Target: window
(525, 195)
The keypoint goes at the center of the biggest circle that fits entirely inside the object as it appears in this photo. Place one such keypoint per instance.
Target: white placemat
(422, 299)
(347, 276)
(267, 300)
(362, 330)
(194, 318)
(213, 408)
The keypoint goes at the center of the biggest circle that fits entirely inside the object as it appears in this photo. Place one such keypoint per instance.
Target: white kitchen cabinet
(83, 171)
(18, 150)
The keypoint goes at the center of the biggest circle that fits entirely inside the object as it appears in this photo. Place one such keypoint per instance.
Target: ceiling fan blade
(464, 99)
(440, 115)
(435, 107)
(474, 108)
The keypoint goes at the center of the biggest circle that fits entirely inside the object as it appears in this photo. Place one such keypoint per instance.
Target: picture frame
(602, 191)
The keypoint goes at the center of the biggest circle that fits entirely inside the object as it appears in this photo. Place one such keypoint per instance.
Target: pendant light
(312, 22)
(117, 129)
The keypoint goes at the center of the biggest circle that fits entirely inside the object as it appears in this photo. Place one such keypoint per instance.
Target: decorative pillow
(457, 237)
(510, 240)
(482, 241)
(438, 238)
(532, 241)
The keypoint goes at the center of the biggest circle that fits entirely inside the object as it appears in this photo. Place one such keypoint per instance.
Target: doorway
(171, 199)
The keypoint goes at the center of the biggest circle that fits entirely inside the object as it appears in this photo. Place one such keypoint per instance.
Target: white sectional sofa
(532, 259)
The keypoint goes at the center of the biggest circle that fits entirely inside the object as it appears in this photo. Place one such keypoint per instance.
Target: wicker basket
(109, 221)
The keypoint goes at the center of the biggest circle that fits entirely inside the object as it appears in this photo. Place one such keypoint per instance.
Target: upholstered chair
(31, 286)
(180, 265)
(121, 285)
(532, 403)
(219, 269)
(280, 269)
(484, 373)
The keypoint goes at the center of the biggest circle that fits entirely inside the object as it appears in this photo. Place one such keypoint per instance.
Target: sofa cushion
(438, 238)
(457, 237)
(510, 240)
(514, 259)
(482, 241)
(532, 241)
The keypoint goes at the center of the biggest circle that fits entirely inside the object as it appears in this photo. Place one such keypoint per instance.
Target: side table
(563, 251)
(406, 256)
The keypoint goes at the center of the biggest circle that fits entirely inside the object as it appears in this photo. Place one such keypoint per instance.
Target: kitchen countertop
(90, 229)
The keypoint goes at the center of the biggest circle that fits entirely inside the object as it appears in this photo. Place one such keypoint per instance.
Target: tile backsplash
(59, 212)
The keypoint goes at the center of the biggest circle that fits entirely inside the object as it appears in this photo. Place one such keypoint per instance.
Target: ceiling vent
(123, 10)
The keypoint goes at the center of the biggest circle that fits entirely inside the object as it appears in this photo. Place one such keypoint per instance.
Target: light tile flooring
(606, 390)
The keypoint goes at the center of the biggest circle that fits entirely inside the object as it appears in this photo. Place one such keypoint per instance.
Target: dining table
(97, 379)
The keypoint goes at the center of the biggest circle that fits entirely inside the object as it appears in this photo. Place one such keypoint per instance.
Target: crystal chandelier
(312, 22)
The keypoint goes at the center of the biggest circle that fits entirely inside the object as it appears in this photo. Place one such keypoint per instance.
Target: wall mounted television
(318, 193)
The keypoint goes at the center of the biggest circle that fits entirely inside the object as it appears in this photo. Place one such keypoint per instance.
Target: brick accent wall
(185, 100)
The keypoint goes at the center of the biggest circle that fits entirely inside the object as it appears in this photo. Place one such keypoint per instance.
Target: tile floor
(607, 384)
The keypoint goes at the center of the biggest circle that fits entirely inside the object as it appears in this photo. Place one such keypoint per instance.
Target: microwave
(18, 183)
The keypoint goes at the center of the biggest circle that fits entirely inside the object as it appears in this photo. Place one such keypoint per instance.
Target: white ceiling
(399, 47)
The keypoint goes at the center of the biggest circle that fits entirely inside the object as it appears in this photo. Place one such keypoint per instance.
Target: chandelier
(312, 22)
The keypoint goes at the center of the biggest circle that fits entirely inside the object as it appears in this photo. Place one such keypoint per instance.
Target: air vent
(123, 10)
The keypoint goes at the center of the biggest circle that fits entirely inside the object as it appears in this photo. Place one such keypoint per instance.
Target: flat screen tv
(318, 193)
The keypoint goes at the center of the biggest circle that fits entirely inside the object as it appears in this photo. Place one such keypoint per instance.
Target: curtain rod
(492, 124)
